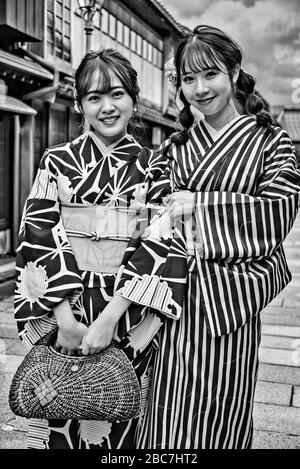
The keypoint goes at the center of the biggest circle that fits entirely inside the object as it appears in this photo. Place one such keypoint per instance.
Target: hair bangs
(97, 78)
(198, 56)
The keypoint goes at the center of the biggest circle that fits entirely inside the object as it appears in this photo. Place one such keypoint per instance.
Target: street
(277, 399)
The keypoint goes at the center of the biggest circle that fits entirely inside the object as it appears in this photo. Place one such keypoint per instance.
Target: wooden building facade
(41, 44)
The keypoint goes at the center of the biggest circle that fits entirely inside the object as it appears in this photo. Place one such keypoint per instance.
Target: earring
(76, 107)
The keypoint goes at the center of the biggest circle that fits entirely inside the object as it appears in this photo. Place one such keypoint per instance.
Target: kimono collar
(106, 150)
(210, 153)
(214, 133)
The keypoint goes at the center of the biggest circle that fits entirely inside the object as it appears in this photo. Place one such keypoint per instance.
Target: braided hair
(209, 47)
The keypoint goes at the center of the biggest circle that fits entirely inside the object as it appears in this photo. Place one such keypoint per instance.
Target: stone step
(279, 356)
(7, 288)
(276, 302)
(13, 439)
(8, 330)
(13, 434)
(6, 305)
(10, 363)
(283, 331)
(279, 374)
(13, 347)
(283, 319)
(278, 310)
(276, 418)
(273, 393)
(273, 341)
(6, 414)
(274, 440)
(291, 302)
(296, 397)
(7, 317)
(5, 380)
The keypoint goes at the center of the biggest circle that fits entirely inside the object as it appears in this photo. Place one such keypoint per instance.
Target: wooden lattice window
(59, 29)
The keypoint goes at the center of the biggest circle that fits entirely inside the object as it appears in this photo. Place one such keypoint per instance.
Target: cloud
(267, 30)
(191, 8)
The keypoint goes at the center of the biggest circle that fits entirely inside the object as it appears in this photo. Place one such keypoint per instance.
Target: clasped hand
(75, 337)
(80, 339)
(98, 336)
(180, 203)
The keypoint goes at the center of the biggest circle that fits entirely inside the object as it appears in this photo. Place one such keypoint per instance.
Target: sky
(268, 32)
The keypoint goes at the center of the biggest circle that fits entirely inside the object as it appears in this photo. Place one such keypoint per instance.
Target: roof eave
(165, 13)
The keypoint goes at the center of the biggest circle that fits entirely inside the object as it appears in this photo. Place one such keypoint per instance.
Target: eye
(211, 74)
(93, 98)
(188, 79)
(117, 93)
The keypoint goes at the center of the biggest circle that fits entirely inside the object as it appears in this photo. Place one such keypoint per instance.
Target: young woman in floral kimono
(80, 214)
(235, 193)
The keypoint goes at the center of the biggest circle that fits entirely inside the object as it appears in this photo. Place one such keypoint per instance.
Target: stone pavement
(277, 399)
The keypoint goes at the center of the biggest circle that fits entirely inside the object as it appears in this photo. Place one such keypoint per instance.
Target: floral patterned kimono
(86, 202)
(247, 192)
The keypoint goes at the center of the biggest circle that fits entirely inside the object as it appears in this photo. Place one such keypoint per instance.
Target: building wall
(144, 48)
(58, 38)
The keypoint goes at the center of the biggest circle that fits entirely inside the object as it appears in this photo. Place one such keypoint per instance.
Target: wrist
(64, 315)
(108, 316)
(66, 322)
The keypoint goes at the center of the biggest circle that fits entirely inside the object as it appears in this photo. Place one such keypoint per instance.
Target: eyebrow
(113, 88)
(203, 70)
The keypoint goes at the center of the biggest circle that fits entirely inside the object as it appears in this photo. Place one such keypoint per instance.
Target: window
(150, 52)
(126, 36)
(139, 44)
(104, 21)
(5, 171)
(133, 41)
(145, 49)
(112, 26)
(157, 57)
(120, 31)
(58, 124)
(59, 29)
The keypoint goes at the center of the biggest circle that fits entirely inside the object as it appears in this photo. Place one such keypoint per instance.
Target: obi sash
(98, 235)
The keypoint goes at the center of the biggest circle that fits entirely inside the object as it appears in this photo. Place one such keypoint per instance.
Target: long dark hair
(102, 62)
(209, 47)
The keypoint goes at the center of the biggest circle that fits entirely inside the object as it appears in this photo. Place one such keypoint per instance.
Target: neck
(223, 117)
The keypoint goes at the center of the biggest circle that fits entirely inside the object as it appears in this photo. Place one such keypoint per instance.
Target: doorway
(6, 199)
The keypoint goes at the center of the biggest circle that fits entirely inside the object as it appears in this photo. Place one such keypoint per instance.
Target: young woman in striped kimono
(81, 212)
(235, 192)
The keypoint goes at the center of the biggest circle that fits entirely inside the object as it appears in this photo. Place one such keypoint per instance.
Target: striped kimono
(246, 188)
(71, 242)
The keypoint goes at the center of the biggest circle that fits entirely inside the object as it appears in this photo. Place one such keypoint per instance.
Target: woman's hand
(69, 338)
(180, 203)
(70, 331)
(100, 333)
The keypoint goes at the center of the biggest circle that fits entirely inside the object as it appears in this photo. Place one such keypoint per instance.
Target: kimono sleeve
(237, 227)
(158, 174)
(153, 273)
(46, 270)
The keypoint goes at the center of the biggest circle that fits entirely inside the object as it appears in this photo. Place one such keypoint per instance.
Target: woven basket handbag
(50, 385)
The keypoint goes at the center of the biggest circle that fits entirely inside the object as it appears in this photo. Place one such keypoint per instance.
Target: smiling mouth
(109, 120)
(205, 101)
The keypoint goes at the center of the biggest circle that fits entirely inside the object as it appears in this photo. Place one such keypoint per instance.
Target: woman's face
(108, 113)
(208, 90)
